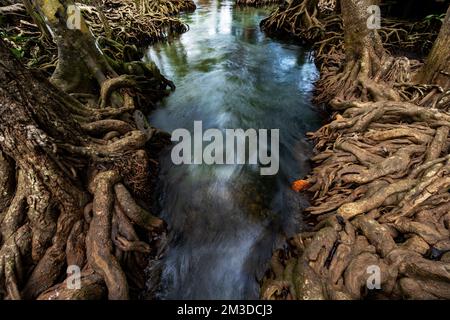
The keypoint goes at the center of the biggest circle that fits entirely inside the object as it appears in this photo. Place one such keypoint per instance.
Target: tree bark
(33, 118)
(380, 182)
(357, 36)
(64, 208)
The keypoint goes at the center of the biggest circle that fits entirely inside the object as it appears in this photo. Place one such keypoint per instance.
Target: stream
(225, 219)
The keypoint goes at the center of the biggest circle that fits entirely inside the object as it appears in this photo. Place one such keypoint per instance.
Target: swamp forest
(221, 149)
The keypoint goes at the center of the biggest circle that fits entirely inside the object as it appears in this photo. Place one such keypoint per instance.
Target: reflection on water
(225, 219)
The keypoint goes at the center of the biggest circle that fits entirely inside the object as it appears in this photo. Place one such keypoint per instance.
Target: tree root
(98, 240)
(50, 218)
(91, 288)
(105, 126)
(7, 177)
(386, 168)
(12, 252)
(380, 182)
(134, 212)
(301, 19)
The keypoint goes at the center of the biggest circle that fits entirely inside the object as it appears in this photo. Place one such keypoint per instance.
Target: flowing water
(225, 220)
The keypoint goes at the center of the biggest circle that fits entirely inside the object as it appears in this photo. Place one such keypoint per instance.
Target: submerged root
(382, 170)
(98, 240)
(137, 22)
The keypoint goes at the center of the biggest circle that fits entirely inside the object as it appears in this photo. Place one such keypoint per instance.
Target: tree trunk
(436, 69)
(81, 64)
(47, 201)
(366, 61)
(358, 38)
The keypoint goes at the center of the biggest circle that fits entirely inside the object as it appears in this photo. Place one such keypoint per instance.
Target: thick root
(134, 212)
(98, 240)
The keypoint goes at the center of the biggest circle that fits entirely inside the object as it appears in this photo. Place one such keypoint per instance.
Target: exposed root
(137, 22)
(380, 184)
(7, 181)
(301, 19)
(12, 255)
(91, 288)
(104, 126)
(69, 163)
(98, 240)
(134, 212)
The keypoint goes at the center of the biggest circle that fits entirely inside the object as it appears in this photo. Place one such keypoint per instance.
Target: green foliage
(18, 52)
(16, 42)
(434, 18)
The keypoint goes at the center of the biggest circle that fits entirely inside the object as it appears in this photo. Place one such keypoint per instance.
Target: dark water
(225, 219)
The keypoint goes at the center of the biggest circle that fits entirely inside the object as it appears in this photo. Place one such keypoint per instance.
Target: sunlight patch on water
(225, 20)
(287, 63)
(309, 74)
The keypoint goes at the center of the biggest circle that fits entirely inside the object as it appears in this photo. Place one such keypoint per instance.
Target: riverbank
(380, 181)
(77, 155)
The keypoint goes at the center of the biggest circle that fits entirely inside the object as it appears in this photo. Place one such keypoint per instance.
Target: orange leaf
(300, 185)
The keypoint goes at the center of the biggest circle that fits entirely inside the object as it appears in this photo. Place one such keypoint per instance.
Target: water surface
(225, 220)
